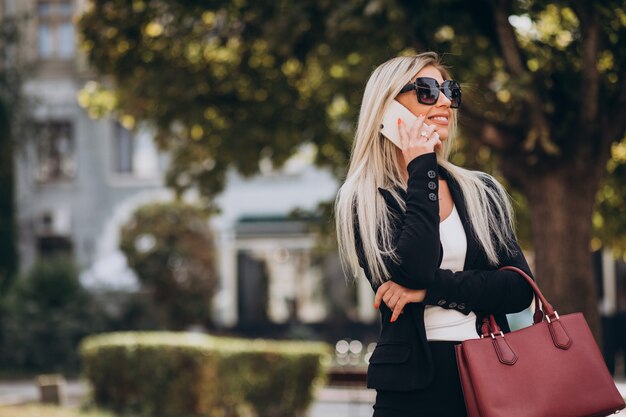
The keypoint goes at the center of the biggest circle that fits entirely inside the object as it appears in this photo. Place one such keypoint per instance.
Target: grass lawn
(38, 410)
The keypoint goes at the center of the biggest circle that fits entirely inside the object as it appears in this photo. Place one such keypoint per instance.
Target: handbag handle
(547, 307)
(490, 326)
(558, 332)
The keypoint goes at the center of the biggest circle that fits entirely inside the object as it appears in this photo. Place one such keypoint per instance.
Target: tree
(170, 248)
(218, 90)
(232, 83)
(9, 101)
(8, 249)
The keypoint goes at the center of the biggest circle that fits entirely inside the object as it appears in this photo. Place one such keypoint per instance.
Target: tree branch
(506, 36)
(589, 88)
(539, 132)
(498, 136)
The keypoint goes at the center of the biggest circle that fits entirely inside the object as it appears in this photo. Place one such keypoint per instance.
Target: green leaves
(206, 77)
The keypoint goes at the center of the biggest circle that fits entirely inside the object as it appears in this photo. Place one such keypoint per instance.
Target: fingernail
(392, 320)
(375, 305)
(399, 121)
(421, 116)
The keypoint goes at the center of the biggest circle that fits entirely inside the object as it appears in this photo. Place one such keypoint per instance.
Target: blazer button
(461, 306)
(452, 305)
(432, 196)
(431, 174)
(432, 185)
(441, 302)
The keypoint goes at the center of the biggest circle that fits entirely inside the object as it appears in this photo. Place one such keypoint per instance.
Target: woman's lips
(439, 120)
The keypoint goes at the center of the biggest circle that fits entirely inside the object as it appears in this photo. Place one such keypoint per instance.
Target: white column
(282, 270)
(225, 304)
(608, 303)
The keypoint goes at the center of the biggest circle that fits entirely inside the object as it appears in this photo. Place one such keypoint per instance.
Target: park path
(329, 402)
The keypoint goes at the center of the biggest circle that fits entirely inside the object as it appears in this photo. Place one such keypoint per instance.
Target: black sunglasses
(427, 90)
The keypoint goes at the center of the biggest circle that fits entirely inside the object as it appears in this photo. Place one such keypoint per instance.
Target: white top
(450, 324)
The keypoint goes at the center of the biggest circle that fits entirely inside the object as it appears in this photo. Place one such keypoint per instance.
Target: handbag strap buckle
(556, 317)
(493, 336)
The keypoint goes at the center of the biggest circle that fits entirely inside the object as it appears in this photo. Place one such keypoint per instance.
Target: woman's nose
(443, 100)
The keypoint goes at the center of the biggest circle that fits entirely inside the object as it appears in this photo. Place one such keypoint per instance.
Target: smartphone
(389, 126)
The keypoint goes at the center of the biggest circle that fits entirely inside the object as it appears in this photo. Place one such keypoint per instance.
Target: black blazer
(401, 360)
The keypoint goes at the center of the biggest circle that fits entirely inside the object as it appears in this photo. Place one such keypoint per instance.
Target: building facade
(72, 170)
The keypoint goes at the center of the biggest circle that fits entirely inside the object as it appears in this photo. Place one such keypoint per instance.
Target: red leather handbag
(550, 369)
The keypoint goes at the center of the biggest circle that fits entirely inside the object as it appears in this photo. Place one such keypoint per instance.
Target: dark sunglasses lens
(427, 90)
(452, 90)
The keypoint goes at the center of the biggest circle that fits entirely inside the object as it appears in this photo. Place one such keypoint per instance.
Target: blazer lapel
(459, 202)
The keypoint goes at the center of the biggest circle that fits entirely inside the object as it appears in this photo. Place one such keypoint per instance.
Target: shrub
(167, 374)
(44, 317)
(170, 248)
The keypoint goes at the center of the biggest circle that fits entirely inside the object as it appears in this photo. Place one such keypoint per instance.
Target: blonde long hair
(374, 163)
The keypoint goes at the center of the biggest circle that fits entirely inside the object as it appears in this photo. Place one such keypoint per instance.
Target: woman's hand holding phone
(417, 139)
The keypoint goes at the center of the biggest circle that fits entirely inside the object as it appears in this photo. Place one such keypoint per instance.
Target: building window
(134, 153)
(55, 31)
(53, 231)
(50, 246)
(55, 151)
(123, 151)
(9, 7)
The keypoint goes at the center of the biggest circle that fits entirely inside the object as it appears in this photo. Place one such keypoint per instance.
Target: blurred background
(171, 166)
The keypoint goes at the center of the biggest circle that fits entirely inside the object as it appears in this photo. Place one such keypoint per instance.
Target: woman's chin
(442, 132)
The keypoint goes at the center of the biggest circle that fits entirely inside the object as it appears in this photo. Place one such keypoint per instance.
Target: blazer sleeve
(417, 244)
(488, 291)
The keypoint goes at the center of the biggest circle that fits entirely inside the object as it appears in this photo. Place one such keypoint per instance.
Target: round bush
(170, 247)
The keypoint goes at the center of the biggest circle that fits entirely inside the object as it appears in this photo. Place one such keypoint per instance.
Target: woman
(429, 236)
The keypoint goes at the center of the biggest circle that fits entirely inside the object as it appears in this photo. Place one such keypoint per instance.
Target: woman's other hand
(395, 296)
(418, 140)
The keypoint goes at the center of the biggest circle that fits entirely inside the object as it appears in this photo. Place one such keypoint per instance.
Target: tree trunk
(561, 200)
(8, 249)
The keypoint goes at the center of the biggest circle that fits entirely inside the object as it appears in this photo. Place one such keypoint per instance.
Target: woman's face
(439, 114)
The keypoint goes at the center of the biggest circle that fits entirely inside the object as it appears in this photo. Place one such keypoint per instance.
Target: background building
(73, 171)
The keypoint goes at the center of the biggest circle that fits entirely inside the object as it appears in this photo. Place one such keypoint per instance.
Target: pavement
(13, 392)
(329, 401)
(343, 402)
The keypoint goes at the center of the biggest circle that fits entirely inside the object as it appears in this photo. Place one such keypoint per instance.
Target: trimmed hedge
(171, 374)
